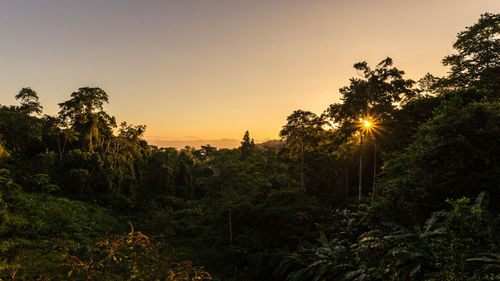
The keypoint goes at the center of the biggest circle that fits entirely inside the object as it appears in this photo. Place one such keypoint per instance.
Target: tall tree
(85, 113)
(477, 62)
(247, 146)
(453, 154)
(29, 101)
(128, 138)
(377, 93)
(299, 133)
(57, 130)
(376, 97)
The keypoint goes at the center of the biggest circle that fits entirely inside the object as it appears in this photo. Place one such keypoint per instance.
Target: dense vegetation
(418, 200)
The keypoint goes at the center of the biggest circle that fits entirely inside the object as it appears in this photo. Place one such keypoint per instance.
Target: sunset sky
(212, 69)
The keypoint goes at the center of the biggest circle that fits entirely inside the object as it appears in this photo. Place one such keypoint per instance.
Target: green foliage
(375, 95)
(29, 101)
(21, 133)
(441, 249)
(454, 154)
(301, 135)
(84, 113)
(477, 62)
(66, 180)
(42, 183)
(134, 256)
(247, 147)
(28, 220)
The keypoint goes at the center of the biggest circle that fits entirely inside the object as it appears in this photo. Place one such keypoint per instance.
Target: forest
(400, 180)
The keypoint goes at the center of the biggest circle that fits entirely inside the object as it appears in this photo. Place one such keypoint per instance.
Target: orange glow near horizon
(210, 70)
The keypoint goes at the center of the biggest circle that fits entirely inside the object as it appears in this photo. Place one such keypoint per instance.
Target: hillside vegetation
(398, 181)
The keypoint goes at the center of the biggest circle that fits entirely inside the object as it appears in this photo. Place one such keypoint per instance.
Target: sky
(208, 70)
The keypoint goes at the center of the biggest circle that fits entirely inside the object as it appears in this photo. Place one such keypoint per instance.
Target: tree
(344, 155)
(376, 96)
(300, 132)
(21, 133)
(128, 137)
(477, 62)
(56, 128)
(378, 93)
(29, 101)
(85, 113)
(453, 154)
(234, 187)
(205, 152)
(247, 146)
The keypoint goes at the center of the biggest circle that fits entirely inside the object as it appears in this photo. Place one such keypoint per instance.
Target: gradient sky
(213, 69)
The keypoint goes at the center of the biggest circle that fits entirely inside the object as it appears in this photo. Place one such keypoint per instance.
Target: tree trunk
(91, 146)
(374, 170)
(347, 180)
(230, 228)
(59, 150)
(360, 188)
(302, 166)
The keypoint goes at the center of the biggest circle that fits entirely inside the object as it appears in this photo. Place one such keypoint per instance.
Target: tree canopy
(84, 199)
(477, 61)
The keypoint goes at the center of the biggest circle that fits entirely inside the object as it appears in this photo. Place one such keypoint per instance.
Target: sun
(369, 124)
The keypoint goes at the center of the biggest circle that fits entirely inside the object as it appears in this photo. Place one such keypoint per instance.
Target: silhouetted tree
(377, 94)
(85, 113)
(29, 101)
(299, 133)
(247, 147)
(477, 62)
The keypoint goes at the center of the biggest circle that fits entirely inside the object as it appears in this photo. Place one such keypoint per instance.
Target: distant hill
(271, 143)
(197, 143)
